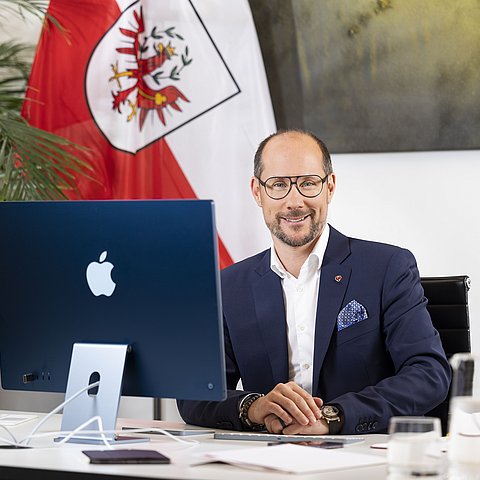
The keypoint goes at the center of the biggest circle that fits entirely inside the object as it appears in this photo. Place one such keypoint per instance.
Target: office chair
(448, 308)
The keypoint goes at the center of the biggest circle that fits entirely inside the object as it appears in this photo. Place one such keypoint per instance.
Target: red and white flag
(171, 98)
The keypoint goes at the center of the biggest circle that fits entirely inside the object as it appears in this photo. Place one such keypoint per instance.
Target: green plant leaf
(34, 164)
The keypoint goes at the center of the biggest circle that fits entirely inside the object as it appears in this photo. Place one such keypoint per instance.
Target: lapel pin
(338, 278)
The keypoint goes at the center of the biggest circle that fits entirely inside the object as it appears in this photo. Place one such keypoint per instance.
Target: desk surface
(49, 460)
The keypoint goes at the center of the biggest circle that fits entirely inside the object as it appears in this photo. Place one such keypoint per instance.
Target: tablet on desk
(274, 438)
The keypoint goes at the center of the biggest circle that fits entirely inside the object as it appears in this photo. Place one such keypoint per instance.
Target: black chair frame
(448, 307)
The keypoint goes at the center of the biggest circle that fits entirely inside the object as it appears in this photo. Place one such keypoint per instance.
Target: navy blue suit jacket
(391, 363)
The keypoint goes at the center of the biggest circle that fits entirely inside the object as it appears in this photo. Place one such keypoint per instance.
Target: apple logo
(99, 277)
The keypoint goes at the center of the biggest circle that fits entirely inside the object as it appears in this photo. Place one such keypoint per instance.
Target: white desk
(67, 462)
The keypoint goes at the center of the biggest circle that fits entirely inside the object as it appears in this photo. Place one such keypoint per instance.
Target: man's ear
(331, 185)
(255, 187)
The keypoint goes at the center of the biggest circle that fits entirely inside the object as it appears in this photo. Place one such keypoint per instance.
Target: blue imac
(139, 275)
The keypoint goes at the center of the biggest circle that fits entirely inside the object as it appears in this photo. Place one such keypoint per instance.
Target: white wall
(424, 201)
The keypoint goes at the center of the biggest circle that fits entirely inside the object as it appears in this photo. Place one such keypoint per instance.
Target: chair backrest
(448, 308)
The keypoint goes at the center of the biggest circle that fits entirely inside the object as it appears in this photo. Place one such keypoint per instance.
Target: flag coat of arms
(170, 97)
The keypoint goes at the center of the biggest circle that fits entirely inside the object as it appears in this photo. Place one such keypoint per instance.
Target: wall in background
(424, 201)
(374, 76)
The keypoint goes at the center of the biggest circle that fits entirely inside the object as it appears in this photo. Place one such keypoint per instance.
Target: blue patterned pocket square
(351, 314)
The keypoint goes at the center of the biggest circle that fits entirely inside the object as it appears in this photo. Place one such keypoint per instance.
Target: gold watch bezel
(330, 413)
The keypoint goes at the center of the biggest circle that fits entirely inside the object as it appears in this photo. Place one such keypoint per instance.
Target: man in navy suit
(328, 334)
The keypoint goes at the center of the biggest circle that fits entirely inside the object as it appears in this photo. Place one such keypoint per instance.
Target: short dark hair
(258, 164)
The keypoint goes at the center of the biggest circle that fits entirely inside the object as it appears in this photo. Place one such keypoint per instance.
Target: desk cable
(100, 431)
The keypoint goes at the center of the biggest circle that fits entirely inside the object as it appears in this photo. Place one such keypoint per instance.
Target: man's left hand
(320, 427)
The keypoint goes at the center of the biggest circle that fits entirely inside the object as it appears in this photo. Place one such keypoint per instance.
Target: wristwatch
(332, 416)
(245, 404)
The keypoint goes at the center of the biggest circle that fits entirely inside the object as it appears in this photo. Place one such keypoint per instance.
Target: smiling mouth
(296, 219)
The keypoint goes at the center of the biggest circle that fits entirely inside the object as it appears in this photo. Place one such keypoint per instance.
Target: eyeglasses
(309, 186)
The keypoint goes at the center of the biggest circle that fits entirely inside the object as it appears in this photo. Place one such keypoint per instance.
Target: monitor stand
(91, 363)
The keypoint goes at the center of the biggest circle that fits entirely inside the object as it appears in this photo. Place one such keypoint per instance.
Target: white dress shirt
(301, 296)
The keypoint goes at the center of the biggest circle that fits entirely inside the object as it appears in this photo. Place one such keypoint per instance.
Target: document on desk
(293, 458)
(13, 419)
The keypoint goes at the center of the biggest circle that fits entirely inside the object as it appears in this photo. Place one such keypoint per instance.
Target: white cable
(15, 441)
(26, 440)
(100, 431)
(123, 432)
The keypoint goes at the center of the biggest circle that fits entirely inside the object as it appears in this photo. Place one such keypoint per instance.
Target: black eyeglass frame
(292, 182)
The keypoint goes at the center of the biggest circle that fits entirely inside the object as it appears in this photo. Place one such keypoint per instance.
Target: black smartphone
(13, 446)
(125, 456)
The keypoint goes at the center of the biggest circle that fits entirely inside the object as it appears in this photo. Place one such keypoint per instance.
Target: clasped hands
(290, 410)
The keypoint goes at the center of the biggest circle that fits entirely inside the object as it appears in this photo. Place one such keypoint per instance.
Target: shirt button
(301, 328)
(306, 366)
(299, 289)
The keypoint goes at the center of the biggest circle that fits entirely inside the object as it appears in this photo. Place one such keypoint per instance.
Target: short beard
(277, 231)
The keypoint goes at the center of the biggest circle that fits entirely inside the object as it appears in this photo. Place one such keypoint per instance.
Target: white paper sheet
(12, 419)
(294, 458)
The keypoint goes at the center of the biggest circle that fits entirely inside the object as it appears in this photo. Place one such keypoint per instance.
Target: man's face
(294, 220)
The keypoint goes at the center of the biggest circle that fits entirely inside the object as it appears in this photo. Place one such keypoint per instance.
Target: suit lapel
(270, 312)
(333, 285)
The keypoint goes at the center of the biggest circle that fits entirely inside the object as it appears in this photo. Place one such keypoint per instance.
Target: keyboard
(272, 437)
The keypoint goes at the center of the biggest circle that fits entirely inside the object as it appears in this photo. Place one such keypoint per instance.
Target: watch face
(330, 412)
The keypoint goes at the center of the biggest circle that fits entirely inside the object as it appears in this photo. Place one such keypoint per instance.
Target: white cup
(464, 441)
(414, 448)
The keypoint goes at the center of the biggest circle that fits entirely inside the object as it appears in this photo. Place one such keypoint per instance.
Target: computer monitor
(140, 273)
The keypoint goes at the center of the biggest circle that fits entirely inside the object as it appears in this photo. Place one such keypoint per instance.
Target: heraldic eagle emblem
(155, 66)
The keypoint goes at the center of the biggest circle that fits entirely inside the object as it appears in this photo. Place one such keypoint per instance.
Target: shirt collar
(313, 261)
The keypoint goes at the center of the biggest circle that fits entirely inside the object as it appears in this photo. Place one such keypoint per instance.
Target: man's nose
(294, 197)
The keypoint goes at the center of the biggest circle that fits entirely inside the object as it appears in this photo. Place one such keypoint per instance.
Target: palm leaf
(13, 75)
(38, 8)
(34, 164)
(37, 164)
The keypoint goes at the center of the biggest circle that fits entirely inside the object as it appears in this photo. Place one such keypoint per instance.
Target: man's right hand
(287, 403)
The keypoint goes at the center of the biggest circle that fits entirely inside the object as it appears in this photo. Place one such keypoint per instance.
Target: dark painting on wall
(375, 75)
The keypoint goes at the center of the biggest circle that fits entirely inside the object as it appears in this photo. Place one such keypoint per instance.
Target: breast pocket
(357, 330)
(359, 353)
